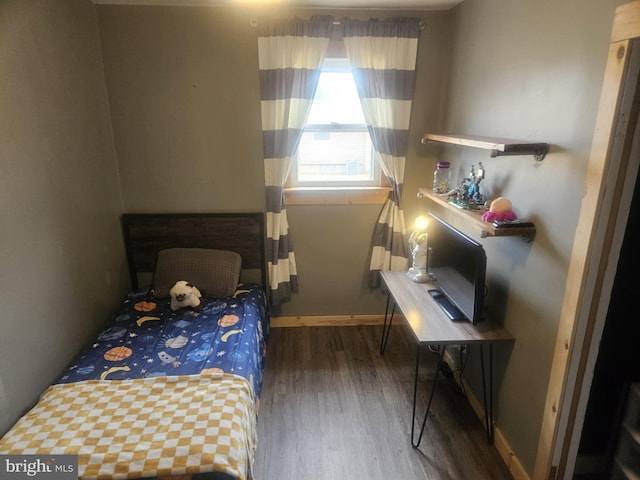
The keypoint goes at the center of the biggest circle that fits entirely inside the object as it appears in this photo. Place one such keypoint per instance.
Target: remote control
(447, 307)
(512, 223)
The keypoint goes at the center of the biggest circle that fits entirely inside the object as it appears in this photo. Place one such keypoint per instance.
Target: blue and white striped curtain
(290, 56)
(383, 61)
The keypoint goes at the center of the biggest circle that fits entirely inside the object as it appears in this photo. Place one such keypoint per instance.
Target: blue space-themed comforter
(146, 339)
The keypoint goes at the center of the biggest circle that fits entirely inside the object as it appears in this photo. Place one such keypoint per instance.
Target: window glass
(335, 149)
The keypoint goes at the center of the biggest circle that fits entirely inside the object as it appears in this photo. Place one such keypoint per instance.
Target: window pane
(335, 156)
(335, 148)
(336, 100)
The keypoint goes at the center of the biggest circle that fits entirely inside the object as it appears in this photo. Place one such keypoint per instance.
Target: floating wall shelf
(497, 146)
(474, 217)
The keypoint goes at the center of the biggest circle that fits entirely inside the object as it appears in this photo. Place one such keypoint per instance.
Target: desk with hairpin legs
(431, 326)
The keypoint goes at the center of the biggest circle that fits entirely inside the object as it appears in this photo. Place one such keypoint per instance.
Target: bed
(162, 393)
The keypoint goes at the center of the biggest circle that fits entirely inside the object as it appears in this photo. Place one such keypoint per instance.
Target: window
(335, 149)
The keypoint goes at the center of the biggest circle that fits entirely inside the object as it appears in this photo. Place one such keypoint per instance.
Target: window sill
(336, 195)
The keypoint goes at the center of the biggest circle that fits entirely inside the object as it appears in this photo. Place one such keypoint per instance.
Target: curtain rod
(254, 23)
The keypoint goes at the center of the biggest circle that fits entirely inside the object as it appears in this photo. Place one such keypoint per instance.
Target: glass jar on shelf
(441, 178)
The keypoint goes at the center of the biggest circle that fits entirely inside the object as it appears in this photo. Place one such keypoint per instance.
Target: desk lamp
(418, 246)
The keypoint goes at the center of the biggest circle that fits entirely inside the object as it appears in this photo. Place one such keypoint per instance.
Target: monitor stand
(447, 307)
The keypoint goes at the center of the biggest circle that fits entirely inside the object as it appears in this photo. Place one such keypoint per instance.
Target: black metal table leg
(414, 443)
(487, 397)
(386, 329)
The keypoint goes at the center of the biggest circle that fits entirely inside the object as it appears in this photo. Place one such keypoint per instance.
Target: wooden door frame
(598, 238)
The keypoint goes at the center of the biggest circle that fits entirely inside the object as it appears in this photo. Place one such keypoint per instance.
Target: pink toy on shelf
(500, 209)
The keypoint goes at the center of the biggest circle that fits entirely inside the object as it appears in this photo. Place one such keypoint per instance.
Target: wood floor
(333, 408)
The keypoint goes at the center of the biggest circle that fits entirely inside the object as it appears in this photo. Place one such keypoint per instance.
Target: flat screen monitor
(458, 264)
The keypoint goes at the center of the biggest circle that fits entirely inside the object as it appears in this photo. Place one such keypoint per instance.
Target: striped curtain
(383, 60)
(290, 56)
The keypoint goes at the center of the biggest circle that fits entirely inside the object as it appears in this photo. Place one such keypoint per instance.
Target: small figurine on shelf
(468, 195)
(500, 209)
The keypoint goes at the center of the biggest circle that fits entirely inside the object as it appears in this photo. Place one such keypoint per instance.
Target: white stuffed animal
(185, 295)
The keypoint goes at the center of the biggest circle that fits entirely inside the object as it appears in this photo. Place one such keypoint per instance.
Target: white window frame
(337, 65)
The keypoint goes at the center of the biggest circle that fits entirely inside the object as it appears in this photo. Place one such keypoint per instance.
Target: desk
(431, 326)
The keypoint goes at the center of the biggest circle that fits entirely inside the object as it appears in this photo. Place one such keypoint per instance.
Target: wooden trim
(336, 196)
(580, 256)
(327, 321)
(626, 23)
(500, 442)
(508, 455)
(619, 180)
(586, 265)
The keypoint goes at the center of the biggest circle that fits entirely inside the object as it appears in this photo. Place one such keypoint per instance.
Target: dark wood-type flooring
(333, 408)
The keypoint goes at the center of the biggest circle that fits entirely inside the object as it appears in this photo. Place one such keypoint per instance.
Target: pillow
(215, 272)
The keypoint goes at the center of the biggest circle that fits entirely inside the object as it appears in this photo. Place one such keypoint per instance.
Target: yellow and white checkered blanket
(144, 427)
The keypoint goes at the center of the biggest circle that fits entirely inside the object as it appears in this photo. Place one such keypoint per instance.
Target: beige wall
(61, 255)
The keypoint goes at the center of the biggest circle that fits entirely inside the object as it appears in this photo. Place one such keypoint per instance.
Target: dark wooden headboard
(145, 234)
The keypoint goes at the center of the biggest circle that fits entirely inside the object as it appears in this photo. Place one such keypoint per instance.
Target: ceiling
(354, 4)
